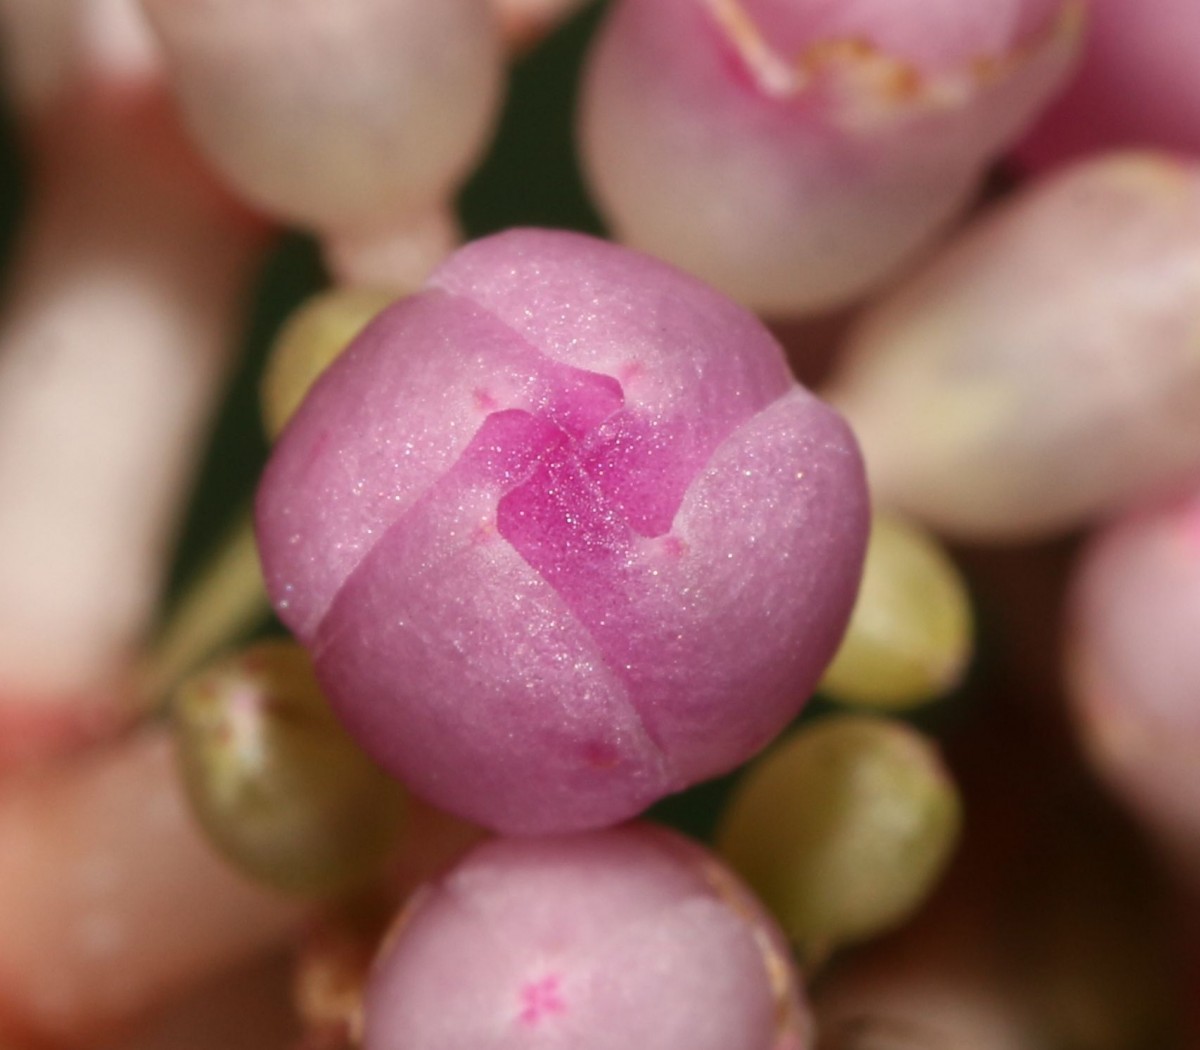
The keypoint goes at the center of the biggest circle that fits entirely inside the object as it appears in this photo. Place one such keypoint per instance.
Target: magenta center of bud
(582, 477)
(540, 999)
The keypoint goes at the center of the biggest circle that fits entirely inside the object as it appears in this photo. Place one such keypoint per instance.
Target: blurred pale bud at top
(1138, 85)
(795, 153)
(1134, 666)
(312, 337)
(274, 779)
(843, 829)
(910, 635)
(49, 45)
(1044, 368)
(346, 116)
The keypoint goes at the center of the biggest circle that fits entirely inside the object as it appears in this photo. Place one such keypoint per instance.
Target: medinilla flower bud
(796, 152)
(1043, 369)
(357, 118)
(563, 534)
(632, 937)
(1138, 85)
(1134, 666)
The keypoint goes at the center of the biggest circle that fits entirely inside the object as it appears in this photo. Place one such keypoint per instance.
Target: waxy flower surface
(628, 937)
(563, 534)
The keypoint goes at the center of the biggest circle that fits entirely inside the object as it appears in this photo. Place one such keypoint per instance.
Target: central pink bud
(563, 534)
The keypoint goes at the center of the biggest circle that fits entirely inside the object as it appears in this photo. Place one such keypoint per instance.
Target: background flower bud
(1043, 368)
(629, 937)
(1137, 85)
(344, 117)
(1134, 667)
(563, 534)
(796, 153)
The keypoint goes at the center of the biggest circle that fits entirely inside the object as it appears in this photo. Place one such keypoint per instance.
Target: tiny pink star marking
(540, 999)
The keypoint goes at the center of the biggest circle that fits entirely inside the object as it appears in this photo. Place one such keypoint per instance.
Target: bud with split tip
(563, 534)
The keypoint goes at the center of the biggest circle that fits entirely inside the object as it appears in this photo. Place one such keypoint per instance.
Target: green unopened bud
(273, 778)
(843, 829)
(909, 639)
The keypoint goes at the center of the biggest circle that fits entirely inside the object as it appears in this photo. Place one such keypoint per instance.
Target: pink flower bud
(1043, 368)
(632, 937)
(1135, 667)
(1138, 85)
(796, 153)
(563, 534)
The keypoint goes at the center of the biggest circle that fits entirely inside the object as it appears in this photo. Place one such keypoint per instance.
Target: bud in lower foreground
(1042, 369)
(909, 639)
(795, 155)
(843, 829)
(275, 780)
(632, 937)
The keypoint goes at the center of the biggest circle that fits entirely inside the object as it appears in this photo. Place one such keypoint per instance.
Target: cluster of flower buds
(565, 547)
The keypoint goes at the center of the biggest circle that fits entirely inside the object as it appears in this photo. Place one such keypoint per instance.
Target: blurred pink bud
(563, 534)
(1043, 368)
(632, 937)
(1138, 85)
(125, 307)
(347, 117)
(1135, 666)
(795, 153)
(112, 899)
